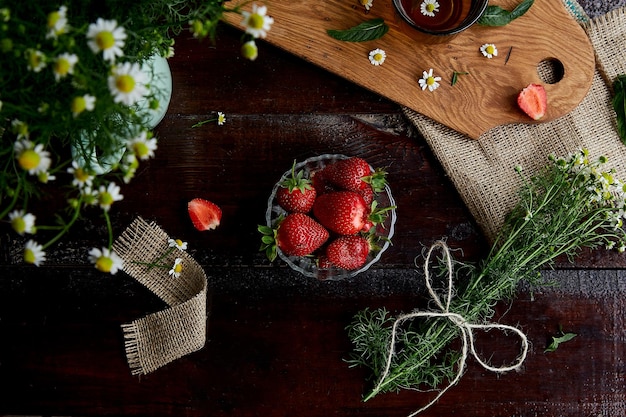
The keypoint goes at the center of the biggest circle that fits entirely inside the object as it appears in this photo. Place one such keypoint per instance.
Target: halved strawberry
(346, 213)
(533, 101)
(204, 214)
(296, 193)
(296, 235)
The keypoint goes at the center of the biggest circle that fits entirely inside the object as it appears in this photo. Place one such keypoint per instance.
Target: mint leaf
(557, 340)
(619, 105)
(497, 16)
(366, 31)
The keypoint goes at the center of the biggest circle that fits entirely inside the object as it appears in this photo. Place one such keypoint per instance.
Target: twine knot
(466, 329)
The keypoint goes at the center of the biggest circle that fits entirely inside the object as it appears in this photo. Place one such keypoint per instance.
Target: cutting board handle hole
(550, 70)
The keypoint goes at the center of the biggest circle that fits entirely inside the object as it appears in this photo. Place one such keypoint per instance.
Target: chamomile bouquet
(76, 94)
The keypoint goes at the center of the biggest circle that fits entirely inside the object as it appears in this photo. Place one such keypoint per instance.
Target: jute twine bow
(466, 328)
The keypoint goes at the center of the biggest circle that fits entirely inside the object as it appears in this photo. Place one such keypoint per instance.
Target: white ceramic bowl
(307, 265)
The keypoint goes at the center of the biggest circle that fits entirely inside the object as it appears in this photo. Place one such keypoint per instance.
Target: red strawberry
(296, 193)
(348, 174)
(368, 194)
(204, 214)
(320, 183)
(296, 235)
(343, 212)
(533, 101)
(348, 252)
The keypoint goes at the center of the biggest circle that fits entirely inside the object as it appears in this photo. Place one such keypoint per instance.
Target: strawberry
(368, 194)
(533, 101)
(296, 235)
(296, 193)
(204, 214)
(320, 183)
(343, 212)
(348, 252)
(354, 174)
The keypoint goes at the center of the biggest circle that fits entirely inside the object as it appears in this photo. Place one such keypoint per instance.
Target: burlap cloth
(159, 338)
(483, 170)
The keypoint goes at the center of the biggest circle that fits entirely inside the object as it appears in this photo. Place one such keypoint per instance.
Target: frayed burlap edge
(162, 337)
(483, 170)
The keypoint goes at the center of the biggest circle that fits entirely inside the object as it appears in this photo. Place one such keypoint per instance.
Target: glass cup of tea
(441, 17)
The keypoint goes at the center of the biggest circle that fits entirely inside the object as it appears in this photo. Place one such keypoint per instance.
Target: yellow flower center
(249, 50)
(378, 57)
(53, 18)
(141, 149)
(81, 175)
(104, 264)
(430, 7)
(62, 66)
(34, 59)
(178, 268)
(29, 256)
(430, 81)
(106, 199)
(78, 105)
(105, 40)
(179, 242)
(256, 21)
(490, 49)
(19, 225)
(29, 159)
(125, 83)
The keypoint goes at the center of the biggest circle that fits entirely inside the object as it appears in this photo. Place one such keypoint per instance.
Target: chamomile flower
(45, 177)
(20, 128)
(177, 268)
(82, 103)
(142, 146)
(129, 166)
(82, 178)
(257, 22)
(32, 158)
(108, 195)
(489, 50)
(429, 81)
(249, 50)
(35, 60)
(22, 222)
(89, 195)
(366, 3)
(57, 23)
(221, 118)
(429, 8)
(106, 260)
(107, 37)
(127, 83)
(64, 65)
(34, 253)
(177, 243)
(377, 56)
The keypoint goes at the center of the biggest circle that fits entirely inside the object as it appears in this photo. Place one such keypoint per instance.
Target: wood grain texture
(479, 101)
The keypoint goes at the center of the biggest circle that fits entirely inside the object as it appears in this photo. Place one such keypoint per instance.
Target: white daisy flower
(64, 65)
(127, 83)
(177, 243)
(429, 81)
(81, 103)
(57, 23)
(177, 268)
(20, 129)
(377, 56)
(22, 222)
(489, 50)
(249, 50)
(82, 178)
(89, 195)
(45, 177)
(108, 195)
(366, 3)
(34, 253)
(129, 166)
(257, 22)
(35, 60)
(429, 8)
(143, 147)
(221, 118)
(106, 260)
(108, 37)
(32, 158)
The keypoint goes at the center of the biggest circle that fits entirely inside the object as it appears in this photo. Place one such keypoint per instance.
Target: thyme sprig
(570, 205)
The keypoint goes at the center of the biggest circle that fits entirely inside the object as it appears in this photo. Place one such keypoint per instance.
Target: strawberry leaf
(366, 31)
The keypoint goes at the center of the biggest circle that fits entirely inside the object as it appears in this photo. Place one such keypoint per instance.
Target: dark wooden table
(276, 340)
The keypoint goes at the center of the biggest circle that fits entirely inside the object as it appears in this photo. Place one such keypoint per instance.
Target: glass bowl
(307, 265)
(452, 16)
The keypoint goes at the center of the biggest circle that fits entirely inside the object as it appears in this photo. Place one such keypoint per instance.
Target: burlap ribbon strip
(483, 170)
(159, 338)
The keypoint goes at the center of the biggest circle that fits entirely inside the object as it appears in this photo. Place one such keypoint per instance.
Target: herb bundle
(570, 205)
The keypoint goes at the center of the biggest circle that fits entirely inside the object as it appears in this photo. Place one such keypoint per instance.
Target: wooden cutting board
(546, 36)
